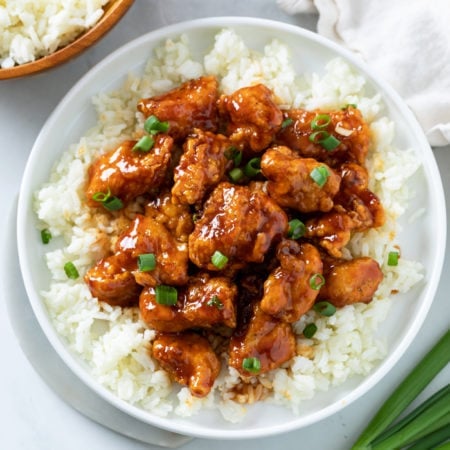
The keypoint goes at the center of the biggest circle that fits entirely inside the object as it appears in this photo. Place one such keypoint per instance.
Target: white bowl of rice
(108, 347)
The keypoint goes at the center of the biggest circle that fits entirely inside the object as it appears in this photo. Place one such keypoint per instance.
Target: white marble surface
(32, 416)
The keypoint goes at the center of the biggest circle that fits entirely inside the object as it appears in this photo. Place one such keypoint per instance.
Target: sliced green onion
(316, 281)
(320, 175)
(430, 365)
(325, 308)
(320, 122)
(101, 196)
(215, 301)
(253, 167)
(325, 139)
(108, 201)
(236, 174)
(153, 126)
(286, 123)
(296, 229)
(144, 144)
(348, 105)
(318, 136)
(330, 143)
(113, 204)
(70, 270)
(310, 330)
(46, 236)
(233, 154)
(219, 260)
(393, 259)
(146, 262)
(251, 364)
(166, 295)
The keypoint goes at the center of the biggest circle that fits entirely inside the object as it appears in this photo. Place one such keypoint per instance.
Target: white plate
(424, 239)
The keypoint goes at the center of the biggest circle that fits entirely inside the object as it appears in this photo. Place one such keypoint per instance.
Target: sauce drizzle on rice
(344, 344)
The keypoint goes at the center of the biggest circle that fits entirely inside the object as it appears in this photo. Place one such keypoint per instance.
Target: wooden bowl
(114, 11)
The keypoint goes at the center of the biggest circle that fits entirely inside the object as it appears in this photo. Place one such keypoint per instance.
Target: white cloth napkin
(407, 42)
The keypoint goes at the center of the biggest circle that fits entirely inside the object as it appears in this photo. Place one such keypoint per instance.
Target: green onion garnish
(325, 139)
(325, 308)
(330, 143)
(286, 123)
(219, 260)
(153, 126)
(215, 301)
(430, 365)
(46, 236)
(296, 229)
(316, 281)
(318, 136)
(233, 154)
(320, 122)
(113, 204)
(146, 262)
(70, 270)
(310, 330)
(101, 196)
(251, 364)
(393, 259)
(144, 144)
(348, 105)
(166, 295)
(320, 175)
(236, 174)
(253, 167)
(108, 201)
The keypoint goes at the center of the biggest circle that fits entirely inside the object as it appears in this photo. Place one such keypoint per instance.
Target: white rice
(115, 342)
(30, 29)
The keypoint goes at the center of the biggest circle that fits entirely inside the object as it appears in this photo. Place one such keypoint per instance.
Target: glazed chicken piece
(252, 115)
(176, 217)
(291, 182)
(191, 105)
(126, 173)
(289, 291)
(353, 145)
(110, 282)
(210, 301)
(332, 231)
(204, 303)
(356, 209)
(350, 281)
(202, 166)
(146, 235)
(116, 279)
(265, 338)
(167, 318)
(189, 359)
(239, 223)
(361, 204)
